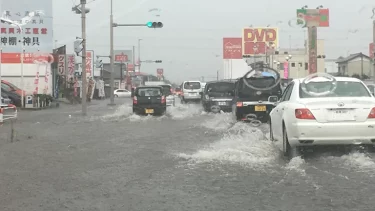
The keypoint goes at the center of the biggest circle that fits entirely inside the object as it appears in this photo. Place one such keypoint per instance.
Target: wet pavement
(187, 160)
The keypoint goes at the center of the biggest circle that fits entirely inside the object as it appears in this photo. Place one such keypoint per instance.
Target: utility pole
(373, 40)
(82, 10)
(112, 97)
(84, 76)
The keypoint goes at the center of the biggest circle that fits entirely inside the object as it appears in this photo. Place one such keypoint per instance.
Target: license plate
(260, 108)
(341, 115)
(222, 103)
(149, 111)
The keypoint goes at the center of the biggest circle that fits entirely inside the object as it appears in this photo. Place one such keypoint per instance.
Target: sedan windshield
(343, 89)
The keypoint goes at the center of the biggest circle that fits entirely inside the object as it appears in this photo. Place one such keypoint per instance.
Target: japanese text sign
(61, 64)
(131, 67)
(36, 22)
(257, 41)
(123, 56)
(71, 64)
(90, 63)
(232, 48)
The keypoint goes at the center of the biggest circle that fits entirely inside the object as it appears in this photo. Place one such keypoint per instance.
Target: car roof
(149, 87)
(321, 79)
(191, 81)
(220, 81)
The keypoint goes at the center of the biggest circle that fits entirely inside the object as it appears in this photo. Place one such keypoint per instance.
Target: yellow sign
(260, 108)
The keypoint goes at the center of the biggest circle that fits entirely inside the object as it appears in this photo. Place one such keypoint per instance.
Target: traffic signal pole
(112, 25)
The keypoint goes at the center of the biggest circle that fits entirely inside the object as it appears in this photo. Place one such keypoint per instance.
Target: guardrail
(8, 112)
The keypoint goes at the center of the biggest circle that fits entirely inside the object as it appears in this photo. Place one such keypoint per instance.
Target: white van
(191, 91)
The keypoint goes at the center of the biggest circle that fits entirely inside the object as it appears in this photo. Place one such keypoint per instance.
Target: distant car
(167, 91)
(11, 87)
(249, 102)
(344, 117)
(149, 100)
(122, 93)
(5, 99)
(13, 96)
(218, 96)
(191, 91)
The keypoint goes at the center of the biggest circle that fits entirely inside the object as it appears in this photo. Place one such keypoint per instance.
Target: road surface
(187, 160)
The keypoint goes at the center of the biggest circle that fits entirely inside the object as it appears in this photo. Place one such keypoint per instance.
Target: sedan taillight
(135, 100)
(371, 115)
(304, 113)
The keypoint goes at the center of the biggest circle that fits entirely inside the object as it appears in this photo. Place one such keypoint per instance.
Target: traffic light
(78, 46)
(158, 61)
(154, 24)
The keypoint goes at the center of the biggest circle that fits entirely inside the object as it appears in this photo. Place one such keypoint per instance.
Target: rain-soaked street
(186, 160)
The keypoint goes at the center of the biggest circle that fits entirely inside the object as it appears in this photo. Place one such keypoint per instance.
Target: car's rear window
(192, 85)
(343, 89)
(221, 87)
(149, 92)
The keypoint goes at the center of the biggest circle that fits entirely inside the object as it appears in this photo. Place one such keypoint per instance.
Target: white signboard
(36, 20)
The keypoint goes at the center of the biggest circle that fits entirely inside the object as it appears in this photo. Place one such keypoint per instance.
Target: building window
(293, 64)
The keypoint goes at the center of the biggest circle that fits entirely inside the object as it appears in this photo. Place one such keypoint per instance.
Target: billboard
(371, 49)
(232, 48)
(257, 41)
(313, 37)
(123, 56)
(35, 18)
(160, 73)
(61, 64)
(131, 67)
(313, 17)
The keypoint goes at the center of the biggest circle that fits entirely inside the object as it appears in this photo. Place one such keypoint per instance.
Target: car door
(278, 112)
(126, 93)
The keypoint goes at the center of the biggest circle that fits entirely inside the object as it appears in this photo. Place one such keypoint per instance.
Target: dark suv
(218, 96)
(149, 100)
(249, 102)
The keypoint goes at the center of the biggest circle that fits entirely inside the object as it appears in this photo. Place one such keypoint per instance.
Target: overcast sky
(190, 44)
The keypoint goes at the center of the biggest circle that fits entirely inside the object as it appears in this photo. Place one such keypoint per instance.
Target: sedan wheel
(289, 151)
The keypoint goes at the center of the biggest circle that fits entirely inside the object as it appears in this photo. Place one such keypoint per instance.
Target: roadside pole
(373, 41)
(84, 74)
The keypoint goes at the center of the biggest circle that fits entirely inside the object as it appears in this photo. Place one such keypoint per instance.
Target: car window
(167, 90)
(343, 89)
(149, 92)
(6, 87)
(192, 85)
(220, 89)
(287, 93)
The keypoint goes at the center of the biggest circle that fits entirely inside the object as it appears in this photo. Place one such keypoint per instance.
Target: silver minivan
(191, 91)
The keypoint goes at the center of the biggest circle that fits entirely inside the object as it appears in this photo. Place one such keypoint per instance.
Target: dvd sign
(257, 41)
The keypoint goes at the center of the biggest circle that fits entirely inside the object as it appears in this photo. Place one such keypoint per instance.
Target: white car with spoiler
(343, 116)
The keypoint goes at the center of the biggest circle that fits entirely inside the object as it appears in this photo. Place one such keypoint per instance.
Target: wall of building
(331, 66)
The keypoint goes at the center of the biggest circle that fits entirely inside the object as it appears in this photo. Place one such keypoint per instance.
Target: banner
(232, 48)
(90, 63)
(71, 65)
(257, 41)
(286, 69)
(61, 64)
(371, 49)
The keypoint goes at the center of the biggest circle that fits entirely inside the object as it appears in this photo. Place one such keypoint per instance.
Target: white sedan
(122, 93)
(346, 116)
